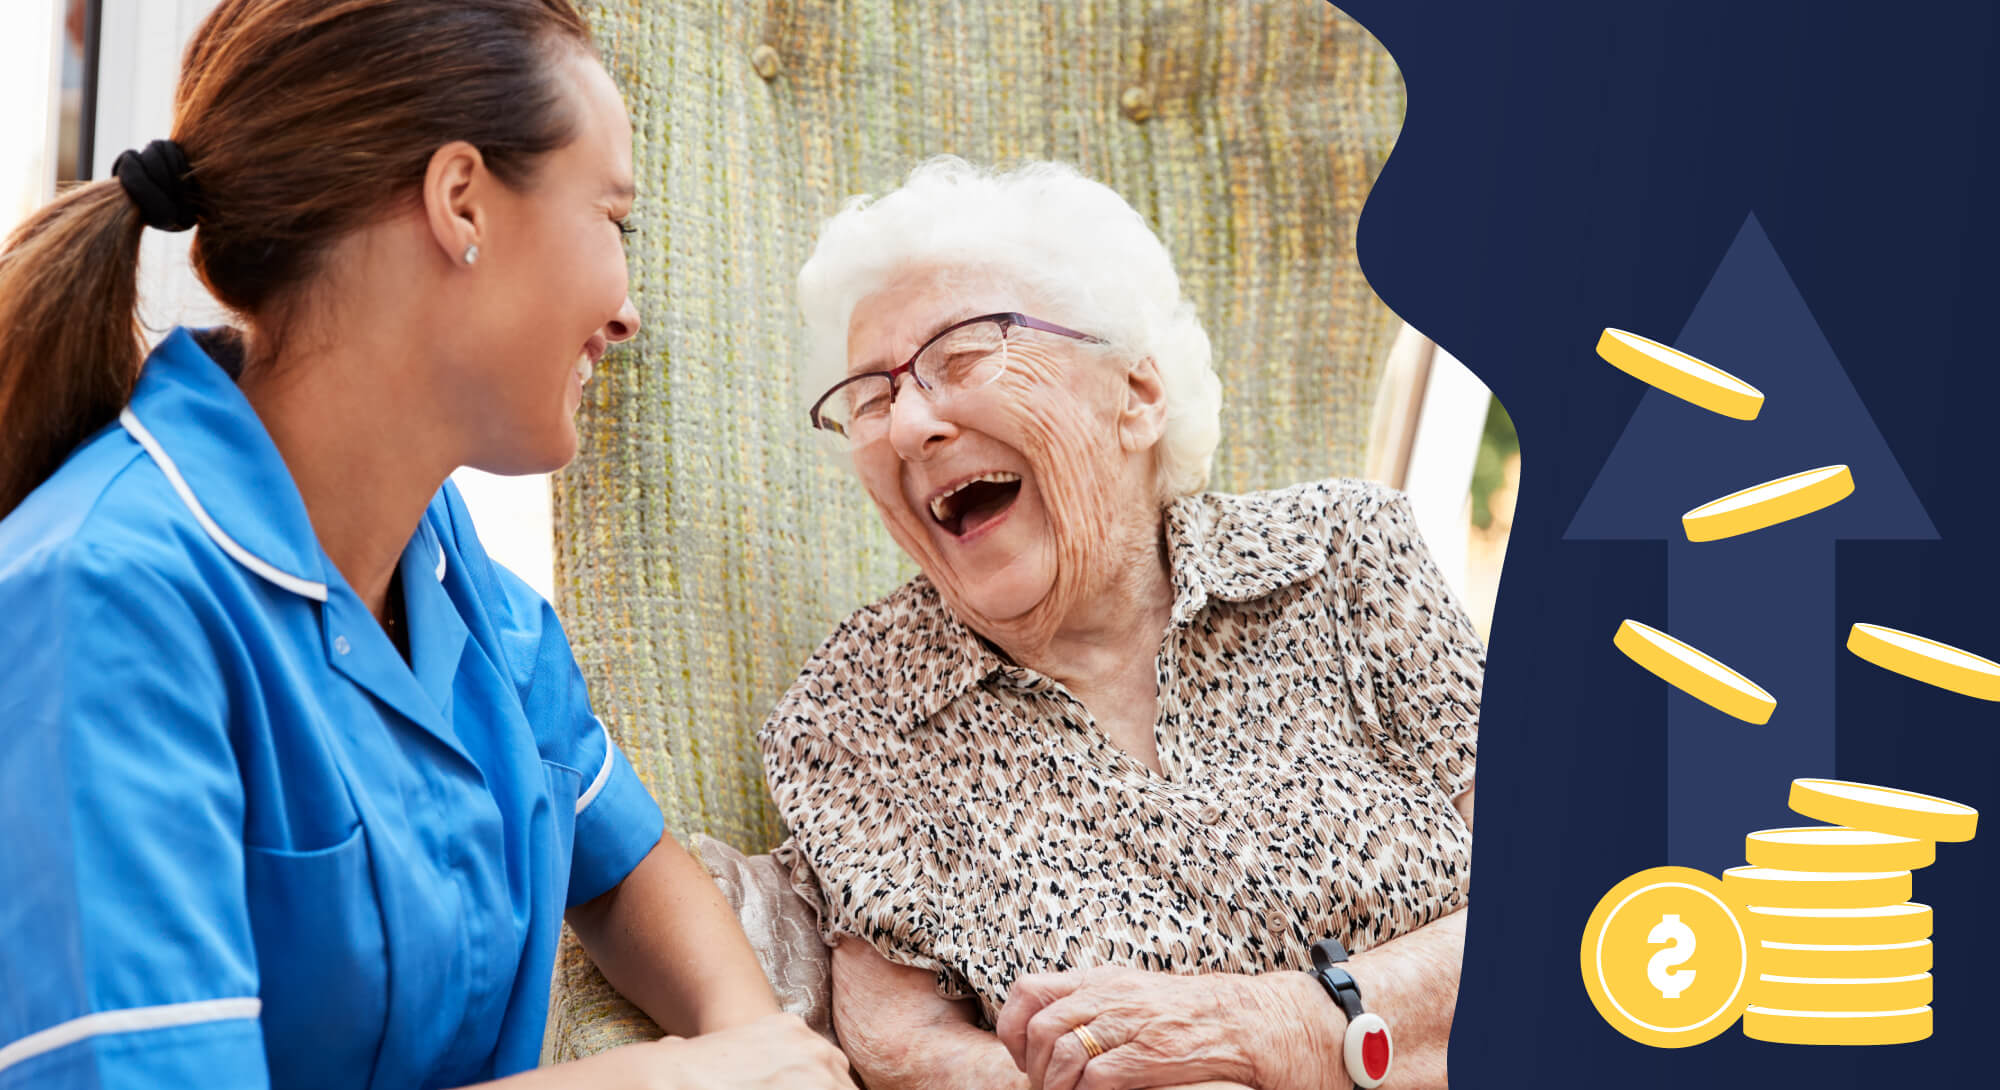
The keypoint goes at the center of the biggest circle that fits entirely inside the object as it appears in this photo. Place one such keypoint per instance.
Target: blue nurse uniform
(245, 843)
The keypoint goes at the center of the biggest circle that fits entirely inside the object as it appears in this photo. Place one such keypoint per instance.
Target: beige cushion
(783, 929)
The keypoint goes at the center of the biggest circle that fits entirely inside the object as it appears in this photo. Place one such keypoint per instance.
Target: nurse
(297, 785)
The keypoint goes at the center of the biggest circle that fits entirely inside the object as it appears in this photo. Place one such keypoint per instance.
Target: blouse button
(341, 646)
(1210, 813)
(1278, 922)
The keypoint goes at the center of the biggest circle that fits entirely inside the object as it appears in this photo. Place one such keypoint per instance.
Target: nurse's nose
(624, 325)
(916, 428)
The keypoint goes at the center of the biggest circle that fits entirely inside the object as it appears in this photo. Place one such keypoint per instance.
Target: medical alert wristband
(1367, 1049)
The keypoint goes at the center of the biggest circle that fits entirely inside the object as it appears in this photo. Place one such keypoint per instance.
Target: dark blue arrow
(1763, 602)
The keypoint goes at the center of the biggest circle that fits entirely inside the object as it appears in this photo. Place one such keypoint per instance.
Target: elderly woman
(1091, 788)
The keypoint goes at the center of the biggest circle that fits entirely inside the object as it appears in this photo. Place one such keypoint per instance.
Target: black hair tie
(157, 180)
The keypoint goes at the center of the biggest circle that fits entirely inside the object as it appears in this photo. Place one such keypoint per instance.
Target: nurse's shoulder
(108, 524)
(119, 773)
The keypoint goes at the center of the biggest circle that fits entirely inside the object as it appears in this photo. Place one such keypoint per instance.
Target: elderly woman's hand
(1276, 1031)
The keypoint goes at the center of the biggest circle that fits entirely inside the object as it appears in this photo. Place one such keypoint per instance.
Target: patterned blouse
(1318, 706)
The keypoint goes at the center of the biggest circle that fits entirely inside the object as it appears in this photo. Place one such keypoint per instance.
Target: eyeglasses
(962, 356)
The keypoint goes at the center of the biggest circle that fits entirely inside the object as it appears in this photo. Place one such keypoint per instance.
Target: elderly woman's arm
(1412, 982)
(1274, 1031)
(901, 1035)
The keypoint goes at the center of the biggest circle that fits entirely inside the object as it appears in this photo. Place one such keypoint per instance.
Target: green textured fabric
(704, 547)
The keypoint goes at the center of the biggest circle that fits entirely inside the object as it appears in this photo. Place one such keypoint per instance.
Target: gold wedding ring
(1091, 1048)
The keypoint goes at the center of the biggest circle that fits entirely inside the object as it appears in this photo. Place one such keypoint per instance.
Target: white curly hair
(1056, 233)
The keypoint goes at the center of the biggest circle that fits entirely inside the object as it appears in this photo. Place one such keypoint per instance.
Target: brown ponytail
(302, 120)
(69, 336)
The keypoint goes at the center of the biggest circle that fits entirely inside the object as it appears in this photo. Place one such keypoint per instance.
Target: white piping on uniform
(129, 1020)
(243, 556)
(603, 771)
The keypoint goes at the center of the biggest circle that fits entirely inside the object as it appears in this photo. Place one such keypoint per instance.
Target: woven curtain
(704, 546)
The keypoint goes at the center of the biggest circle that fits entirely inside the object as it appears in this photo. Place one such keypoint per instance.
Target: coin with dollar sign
(1666, 960)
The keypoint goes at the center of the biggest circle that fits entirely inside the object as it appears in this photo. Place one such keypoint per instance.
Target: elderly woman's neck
(1105, 647)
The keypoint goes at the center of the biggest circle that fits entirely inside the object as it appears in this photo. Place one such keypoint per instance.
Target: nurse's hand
(776, 1052)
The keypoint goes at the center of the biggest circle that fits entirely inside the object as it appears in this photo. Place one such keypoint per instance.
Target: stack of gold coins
(1843, 956)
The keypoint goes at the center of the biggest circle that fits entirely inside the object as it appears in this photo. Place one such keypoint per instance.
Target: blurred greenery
(1489, 472)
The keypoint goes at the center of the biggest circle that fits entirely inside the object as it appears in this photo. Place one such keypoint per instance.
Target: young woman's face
(552, 288)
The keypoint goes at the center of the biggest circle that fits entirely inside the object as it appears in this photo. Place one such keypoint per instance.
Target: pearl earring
(472, 253)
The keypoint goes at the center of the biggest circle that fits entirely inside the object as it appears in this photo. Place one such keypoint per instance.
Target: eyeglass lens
(964, 359)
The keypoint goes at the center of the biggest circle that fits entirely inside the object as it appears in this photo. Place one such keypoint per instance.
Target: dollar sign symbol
(1670, 929)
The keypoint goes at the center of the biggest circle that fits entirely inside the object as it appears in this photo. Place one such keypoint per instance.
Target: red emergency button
(1368, 1051)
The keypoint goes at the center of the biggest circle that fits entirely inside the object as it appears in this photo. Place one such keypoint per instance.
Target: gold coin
(1665, 959)
(1885, 809)
(1801, 993)
(1769, 504)
(1827, 960)
(1837, 1027)
(1928, 661)
(1694, 673)
(1836, 847)
(1815, 889)
(1677, 373)
(1879, 925)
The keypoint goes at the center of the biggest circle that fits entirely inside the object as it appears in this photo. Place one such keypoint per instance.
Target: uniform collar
(356, 645)
(201, 432)
(1228, 547)
(208, 441)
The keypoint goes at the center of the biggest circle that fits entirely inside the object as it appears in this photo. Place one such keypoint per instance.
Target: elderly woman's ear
(1143, 418)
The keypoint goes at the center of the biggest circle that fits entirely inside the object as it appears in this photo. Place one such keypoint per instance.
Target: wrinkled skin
(1265, 1031)
(1078, 422)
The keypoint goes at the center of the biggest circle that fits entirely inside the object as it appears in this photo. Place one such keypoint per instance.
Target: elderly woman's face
(1002, 494)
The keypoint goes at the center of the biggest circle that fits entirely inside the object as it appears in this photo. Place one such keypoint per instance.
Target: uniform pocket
(321, 960)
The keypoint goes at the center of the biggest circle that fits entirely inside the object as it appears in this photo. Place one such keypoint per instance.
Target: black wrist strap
(1338, 982)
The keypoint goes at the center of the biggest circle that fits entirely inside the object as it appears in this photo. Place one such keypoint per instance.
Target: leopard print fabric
(1318, 707)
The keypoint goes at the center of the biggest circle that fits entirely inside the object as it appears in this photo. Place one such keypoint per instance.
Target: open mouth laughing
(977, 501)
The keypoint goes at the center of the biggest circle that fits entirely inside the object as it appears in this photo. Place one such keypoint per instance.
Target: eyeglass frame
(1006, 318)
